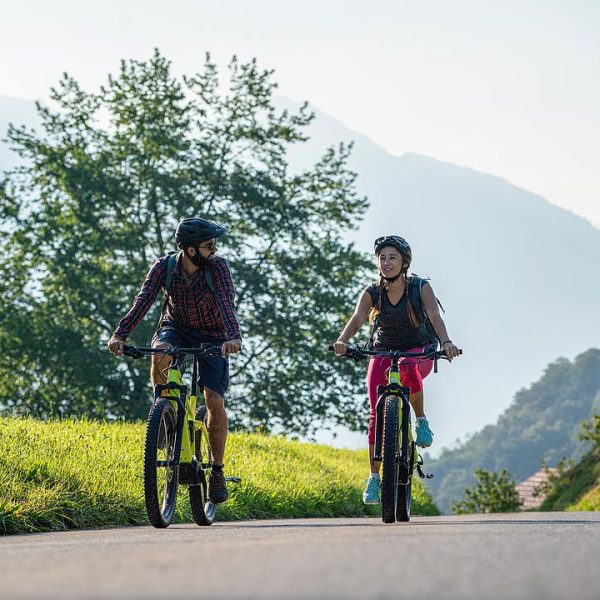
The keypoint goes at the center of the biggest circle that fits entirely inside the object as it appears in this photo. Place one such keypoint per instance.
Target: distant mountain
(543, 423)
(517, 275)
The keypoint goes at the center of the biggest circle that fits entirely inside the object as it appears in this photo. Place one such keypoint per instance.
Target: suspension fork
(394, 388)
(177, 393)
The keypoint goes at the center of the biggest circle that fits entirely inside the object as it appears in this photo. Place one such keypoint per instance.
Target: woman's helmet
(395, 241)
(194, 230)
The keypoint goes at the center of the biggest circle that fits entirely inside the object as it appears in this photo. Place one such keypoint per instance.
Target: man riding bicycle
(199, 309)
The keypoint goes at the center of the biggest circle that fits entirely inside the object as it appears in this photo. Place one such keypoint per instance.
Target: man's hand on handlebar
(115, 345)
(231, 347)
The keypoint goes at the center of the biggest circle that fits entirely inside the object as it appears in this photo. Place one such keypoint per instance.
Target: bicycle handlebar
(360, 354)
(202, 350)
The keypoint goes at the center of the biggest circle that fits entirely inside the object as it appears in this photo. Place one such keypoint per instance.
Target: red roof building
(526, 489)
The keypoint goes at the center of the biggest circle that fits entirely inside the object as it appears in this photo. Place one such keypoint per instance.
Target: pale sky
(508, 87)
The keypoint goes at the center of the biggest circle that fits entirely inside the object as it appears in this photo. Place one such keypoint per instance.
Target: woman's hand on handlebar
(450, 350)
(340, 348)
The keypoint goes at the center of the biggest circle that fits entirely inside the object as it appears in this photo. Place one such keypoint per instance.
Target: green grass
(68, 474)
(578, 487)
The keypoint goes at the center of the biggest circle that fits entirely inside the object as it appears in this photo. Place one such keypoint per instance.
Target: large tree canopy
(97, 201)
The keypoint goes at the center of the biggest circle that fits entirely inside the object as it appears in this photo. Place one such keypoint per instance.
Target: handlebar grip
(131, 351)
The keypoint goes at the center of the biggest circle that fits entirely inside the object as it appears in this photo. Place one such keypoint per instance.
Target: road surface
(525, 555)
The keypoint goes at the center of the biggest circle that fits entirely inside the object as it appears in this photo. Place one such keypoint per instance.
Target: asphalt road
(526, 555)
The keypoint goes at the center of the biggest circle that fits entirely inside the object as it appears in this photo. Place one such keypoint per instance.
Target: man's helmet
(194, 230)
(395, 241)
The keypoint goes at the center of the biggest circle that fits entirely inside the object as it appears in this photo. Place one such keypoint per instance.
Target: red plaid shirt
(191, 304)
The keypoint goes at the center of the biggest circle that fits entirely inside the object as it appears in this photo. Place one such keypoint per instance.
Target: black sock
(216, 467)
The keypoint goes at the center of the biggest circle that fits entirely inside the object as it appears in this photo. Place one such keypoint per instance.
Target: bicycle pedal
(423, 475)
(233, 479)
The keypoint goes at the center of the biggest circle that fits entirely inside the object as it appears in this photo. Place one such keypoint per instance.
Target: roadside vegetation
(576, 487)
(69, 474)
(493, 493)
(540, 427)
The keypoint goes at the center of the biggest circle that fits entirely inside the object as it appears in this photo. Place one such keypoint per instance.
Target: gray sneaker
(217, 487)
(371, 492)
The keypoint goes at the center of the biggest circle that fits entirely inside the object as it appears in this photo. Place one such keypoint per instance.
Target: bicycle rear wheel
(389, 480)
(160, 477)
(203, 511)
(405, 490)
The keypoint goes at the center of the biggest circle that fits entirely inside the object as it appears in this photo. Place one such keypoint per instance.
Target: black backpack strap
(171, 260)
(415, 285)
(208, 278)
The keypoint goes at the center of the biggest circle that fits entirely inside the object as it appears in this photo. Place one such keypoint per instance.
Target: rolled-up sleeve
(225, 293)
(144, 300)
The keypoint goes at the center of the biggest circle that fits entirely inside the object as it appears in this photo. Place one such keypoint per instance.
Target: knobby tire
(389, 480)
(203, 511)
(405, 490)
(160, 483)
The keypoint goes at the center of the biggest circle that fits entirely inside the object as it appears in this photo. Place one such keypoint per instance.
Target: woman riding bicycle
(395, 327)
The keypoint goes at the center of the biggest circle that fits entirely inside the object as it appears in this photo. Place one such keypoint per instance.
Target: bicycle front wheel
(203, 511)
(389, 480)
(160, 476)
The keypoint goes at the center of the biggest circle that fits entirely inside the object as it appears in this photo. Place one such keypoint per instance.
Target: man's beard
(199, 260)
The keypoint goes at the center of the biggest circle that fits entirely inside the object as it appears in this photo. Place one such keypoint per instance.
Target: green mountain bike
(177, 448)
(395, 447)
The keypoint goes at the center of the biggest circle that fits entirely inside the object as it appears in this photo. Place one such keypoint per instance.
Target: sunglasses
(210, 246)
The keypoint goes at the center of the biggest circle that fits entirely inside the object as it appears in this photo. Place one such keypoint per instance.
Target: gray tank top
(394, 331)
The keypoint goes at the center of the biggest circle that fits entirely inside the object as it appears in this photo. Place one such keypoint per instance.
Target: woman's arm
(433, 313)
(361, 312)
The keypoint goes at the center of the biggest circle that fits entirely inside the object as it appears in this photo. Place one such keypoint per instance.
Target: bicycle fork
(395, 388)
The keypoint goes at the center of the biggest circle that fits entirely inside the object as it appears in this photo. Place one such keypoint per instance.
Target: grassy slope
(69, 474)
(579, 487)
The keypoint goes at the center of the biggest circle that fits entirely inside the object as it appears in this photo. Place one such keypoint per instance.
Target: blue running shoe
(371, 492)
(424, 434)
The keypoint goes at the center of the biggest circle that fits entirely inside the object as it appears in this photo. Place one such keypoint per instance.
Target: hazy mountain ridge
(542, 424)
(517, 275)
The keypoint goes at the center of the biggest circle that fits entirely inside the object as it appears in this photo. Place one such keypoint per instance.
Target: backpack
(414, 285)
(168, 284)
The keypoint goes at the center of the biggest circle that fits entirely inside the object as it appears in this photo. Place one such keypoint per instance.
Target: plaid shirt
(191, 304)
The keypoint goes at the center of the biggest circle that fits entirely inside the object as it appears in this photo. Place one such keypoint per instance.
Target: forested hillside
(542, 424)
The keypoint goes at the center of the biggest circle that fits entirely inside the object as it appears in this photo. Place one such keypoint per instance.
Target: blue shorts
(213, 371)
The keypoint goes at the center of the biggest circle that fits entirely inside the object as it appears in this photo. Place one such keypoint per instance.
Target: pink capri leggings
(412, 373)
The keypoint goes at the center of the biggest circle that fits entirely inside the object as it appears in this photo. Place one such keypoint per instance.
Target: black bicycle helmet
(395, 241)
(194, 230)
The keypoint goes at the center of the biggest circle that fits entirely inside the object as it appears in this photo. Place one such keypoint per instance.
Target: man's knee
(214, 400)
(160, 363)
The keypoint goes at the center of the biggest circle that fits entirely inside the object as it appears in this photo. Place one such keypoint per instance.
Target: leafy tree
(97, 201)
(493, 493)
(590, 431)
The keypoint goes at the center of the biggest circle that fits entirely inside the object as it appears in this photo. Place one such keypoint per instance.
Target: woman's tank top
(394, 330)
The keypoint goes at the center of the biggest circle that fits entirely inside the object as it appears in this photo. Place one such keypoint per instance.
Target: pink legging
(412, 373)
